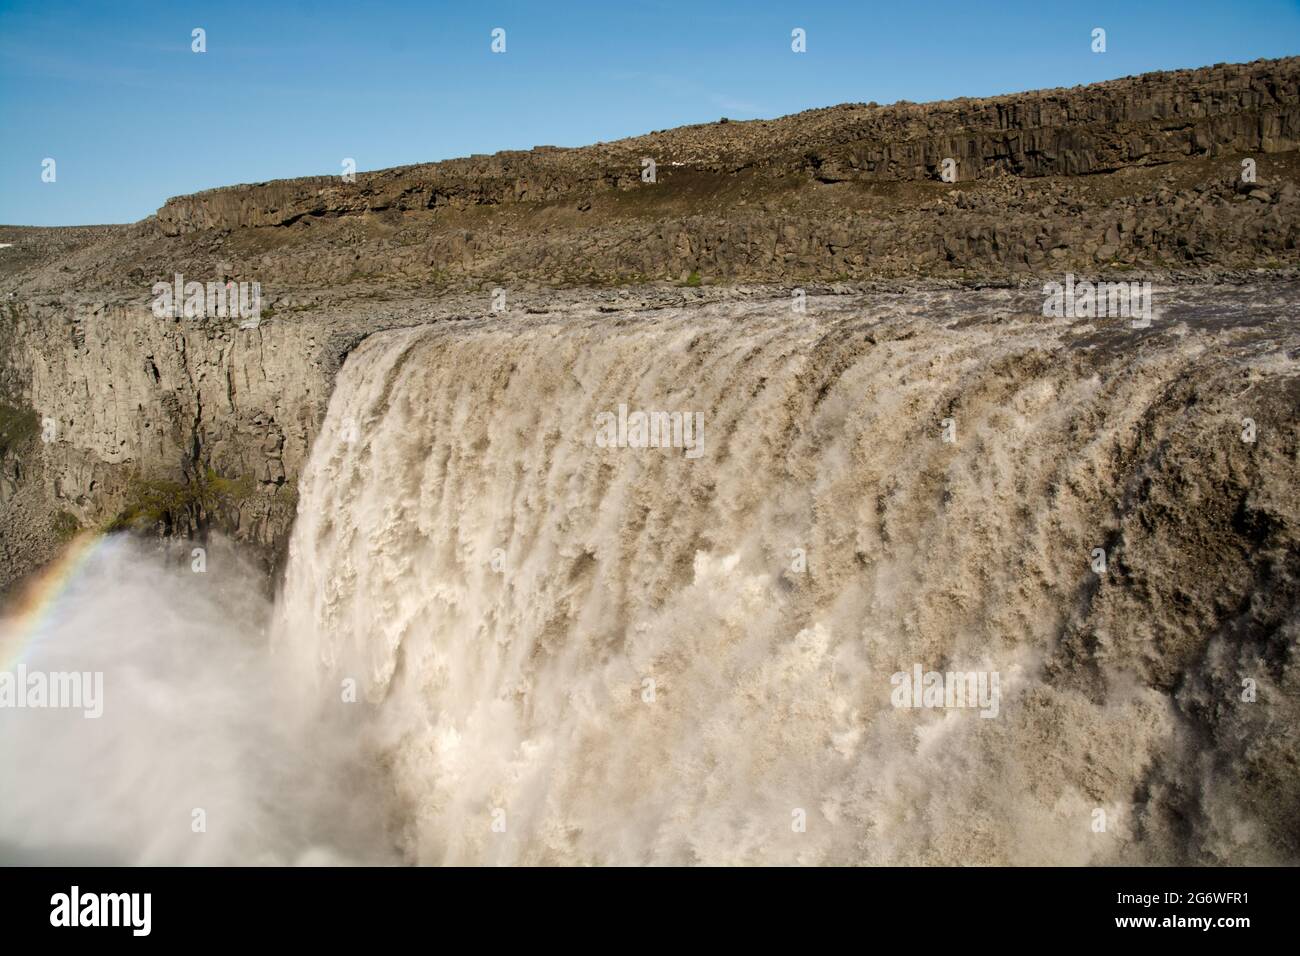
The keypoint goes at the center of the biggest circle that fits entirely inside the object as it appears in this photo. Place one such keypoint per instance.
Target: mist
(198, 715)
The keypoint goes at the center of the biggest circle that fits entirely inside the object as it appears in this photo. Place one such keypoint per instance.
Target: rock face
(1148, 120)
(183, 425)
(195, 423)
(125, 401)
(1142, 173)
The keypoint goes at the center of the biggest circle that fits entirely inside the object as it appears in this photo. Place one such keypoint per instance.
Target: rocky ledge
(112, 416)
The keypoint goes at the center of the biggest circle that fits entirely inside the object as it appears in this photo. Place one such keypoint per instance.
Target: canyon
(407, 448)
(1139, 178)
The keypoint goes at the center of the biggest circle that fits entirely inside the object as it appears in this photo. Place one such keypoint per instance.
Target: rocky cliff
(112, 415)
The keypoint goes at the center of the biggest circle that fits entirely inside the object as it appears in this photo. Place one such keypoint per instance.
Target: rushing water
(507, 634)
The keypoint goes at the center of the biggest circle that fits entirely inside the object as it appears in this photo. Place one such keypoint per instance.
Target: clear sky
(113, 93)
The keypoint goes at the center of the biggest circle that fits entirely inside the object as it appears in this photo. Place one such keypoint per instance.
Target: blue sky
(114, 94)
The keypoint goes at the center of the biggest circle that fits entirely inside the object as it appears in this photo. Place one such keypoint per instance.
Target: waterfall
(572, 649)
(924, 578)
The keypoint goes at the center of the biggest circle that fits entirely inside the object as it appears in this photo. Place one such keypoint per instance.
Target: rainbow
(27, 618)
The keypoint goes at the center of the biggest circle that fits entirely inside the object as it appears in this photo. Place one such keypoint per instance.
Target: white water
(508, 686)
(521, 691)
(196, 716)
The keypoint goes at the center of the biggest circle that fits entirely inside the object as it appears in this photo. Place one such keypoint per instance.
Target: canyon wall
(110, 415)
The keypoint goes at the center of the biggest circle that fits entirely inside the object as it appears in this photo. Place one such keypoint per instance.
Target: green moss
(220, 489)
(287, 495)
(18, 426)
(66, 526)
(693, 280)
(151, 501)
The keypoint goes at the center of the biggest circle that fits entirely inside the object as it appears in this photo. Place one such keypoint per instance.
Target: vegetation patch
(65, 526)
(18, 426)
(287, 495)
(174, 504)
